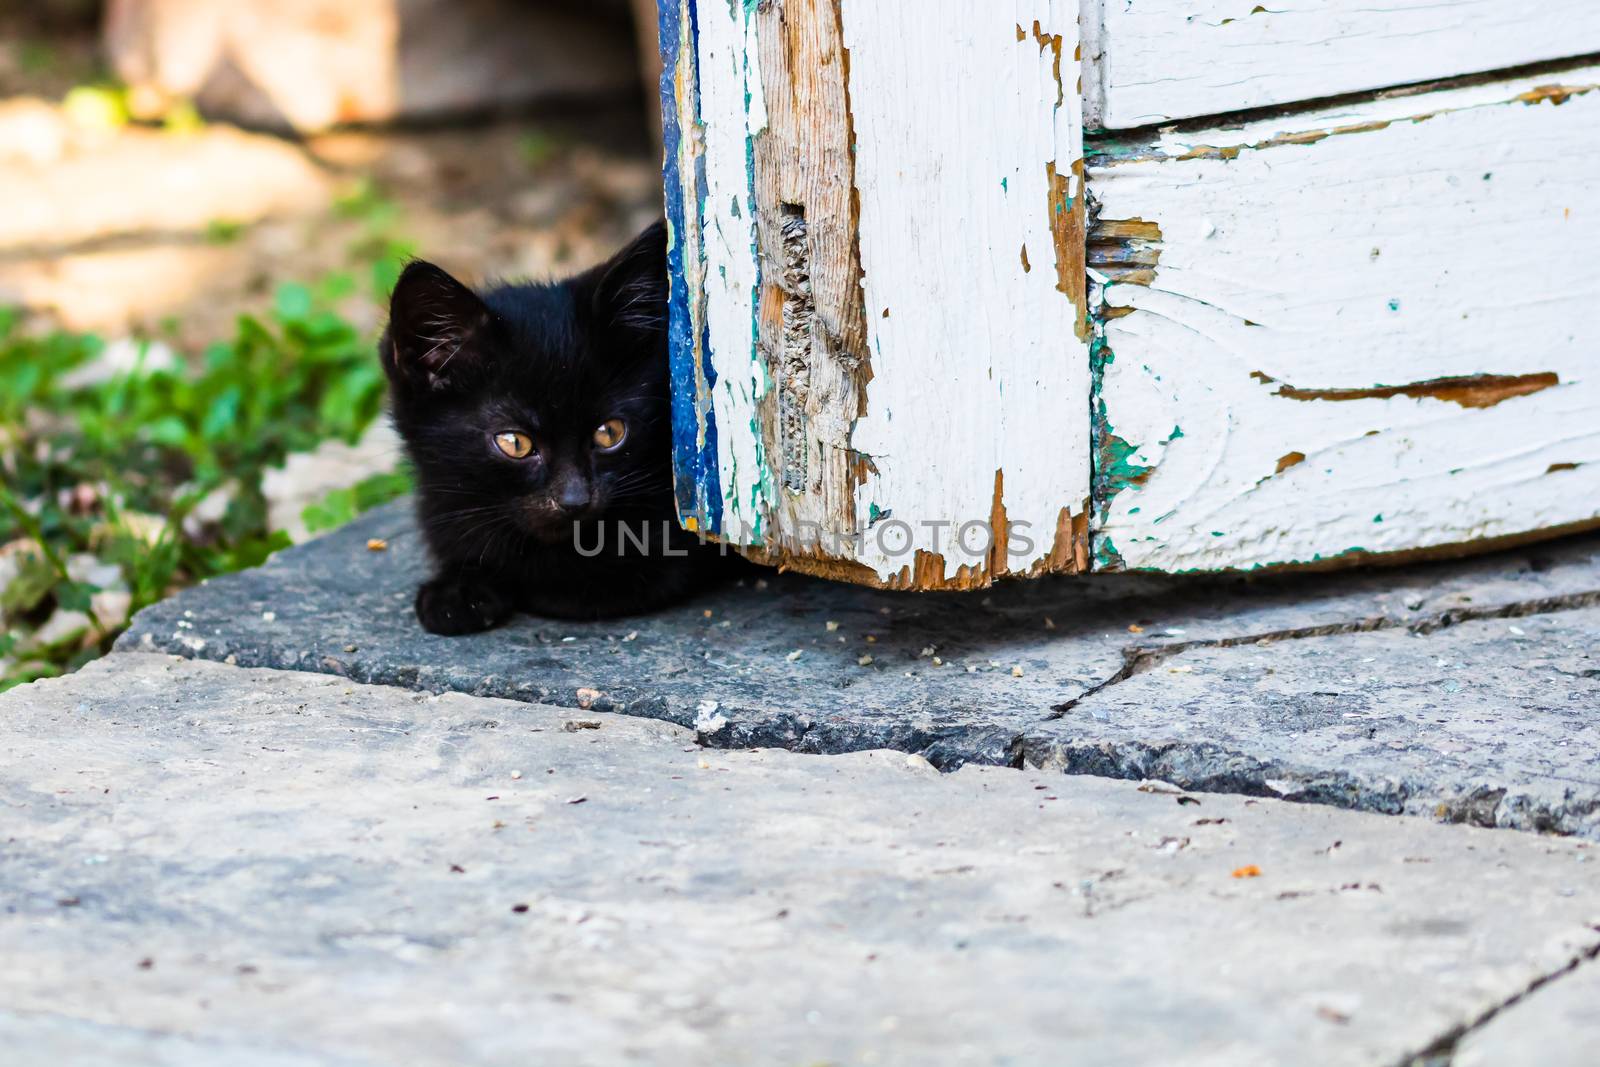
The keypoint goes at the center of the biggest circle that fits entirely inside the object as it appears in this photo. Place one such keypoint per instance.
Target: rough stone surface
(163, 184)
(1494, 722)
(212, 865)
(1557, 1025)
(333, 606)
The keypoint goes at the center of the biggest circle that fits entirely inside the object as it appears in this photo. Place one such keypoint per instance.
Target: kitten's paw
(453, 606)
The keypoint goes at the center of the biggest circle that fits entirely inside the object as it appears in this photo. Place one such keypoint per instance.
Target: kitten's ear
(628, 293)
(436, 329)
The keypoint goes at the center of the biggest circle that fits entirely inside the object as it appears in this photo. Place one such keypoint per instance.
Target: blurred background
(205, 203)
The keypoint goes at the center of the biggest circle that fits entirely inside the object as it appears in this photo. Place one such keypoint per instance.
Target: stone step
(206, 864)
(1493, 722)
(1099, 675)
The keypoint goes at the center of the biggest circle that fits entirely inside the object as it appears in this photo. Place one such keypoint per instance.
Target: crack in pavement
(1137, 659)
(1441, 1052)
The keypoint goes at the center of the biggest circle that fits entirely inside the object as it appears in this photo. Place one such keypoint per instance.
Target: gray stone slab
(205, 864)
(1493, 722)
(334, 607)
(1556, 1025)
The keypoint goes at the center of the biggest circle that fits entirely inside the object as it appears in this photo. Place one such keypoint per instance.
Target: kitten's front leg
(457, 603)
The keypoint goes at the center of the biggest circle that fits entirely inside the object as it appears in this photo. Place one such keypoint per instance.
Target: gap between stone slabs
(818, 667)
(1554, 1024)
(1493, 722)
(209, 863)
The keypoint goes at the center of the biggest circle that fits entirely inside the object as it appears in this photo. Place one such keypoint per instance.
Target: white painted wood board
(1370, 329)
(973, 423)
(1153, 61)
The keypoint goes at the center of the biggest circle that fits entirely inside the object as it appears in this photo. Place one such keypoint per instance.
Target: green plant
(116, 489)
(538, 148)
(224, 231)
(380, 243)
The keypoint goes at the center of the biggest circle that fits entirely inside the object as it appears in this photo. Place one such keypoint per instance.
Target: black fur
(553, 362)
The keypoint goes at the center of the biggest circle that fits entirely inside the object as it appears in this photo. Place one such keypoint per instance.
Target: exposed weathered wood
(812, 329)
(1153, 61)
(880, 320)
(1362, 330)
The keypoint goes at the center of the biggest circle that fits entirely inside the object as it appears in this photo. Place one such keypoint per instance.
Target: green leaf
(75, 596)
(292, 302)
(224, 231)
(343, 505)
(34, 580)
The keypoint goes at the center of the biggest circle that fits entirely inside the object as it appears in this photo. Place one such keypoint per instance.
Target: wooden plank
(1371, 329)
(1153, 61)
(880, 332)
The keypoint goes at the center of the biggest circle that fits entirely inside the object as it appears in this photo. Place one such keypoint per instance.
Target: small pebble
(831, 625)
(864, 660)
(377, 544)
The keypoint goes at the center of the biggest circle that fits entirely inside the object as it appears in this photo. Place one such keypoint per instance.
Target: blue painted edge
(697, 483)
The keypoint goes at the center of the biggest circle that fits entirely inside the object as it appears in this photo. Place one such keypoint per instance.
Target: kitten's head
(531, 407)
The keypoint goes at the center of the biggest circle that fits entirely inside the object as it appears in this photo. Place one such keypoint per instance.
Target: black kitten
(537, 419)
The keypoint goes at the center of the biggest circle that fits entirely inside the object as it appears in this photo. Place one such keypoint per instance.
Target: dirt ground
(135, 230)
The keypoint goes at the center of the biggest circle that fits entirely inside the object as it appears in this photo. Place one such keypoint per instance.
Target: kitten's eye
(609, 434)
(516, 445)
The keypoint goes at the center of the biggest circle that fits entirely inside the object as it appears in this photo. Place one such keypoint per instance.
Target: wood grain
(1363, 330)
(1154, 61)
(886, 321)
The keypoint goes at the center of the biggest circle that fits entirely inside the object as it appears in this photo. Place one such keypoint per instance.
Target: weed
(116, 489)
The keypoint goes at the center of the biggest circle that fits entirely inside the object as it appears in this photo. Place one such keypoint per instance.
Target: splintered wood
(882, 396)
(921, 342)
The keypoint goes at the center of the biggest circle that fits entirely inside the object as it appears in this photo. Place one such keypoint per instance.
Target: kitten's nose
(573, 496)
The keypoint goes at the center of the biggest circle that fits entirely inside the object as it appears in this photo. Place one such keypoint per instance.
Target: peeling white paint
(732, 111)
(977, 367)
(976, 362)
(1158, 60)
(1457, 240)
(1396, 240)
